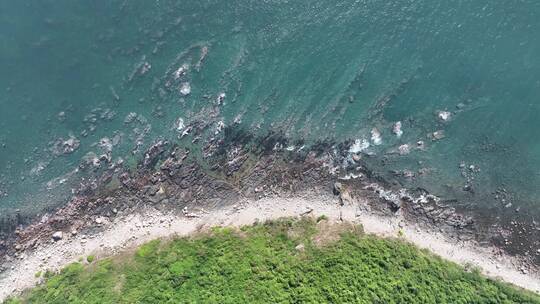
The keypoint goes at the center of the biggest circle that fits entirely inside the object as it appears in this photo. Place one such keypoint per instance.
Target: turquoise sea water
(312, 69)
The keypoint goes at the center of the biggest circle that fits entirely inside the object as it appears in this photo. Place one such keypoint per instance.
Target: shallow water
(312, 69)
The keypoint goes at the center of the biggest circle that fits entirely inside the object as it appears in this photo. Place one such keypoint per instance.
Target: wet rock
(235, 164)
(152, 154)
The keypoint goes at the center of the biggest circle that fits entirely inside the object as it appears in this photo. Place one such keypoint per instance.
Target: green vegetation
(283, 261)
(322, 218)
(90, 258)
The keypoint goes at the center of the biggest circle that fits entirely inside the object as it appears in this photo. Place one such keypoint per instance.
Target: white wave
(359, 146)
(376, 136)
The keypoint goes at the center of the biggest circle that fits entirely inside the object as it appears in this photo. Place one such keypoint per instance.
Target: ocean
(435, 95)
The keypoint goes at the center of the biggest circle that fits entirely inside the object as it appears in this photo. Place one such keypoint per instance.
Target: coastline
(129, 230)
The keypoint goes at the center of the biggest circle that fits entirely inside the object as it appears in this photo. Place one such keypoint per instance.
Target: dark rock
(338, 187)
(58, 235)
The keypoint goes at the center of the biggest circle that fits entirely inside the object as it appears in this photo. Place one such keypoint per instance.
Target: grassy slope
(260, 264)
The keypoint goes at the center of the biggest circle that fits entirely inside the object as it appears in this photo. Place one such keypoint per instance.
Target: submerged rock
(185, 89)
(130, 117)
(396, 129)
(358, 146)
(179, 124)
(65, 146)
(444, 115)
(220, 98)
(151, 155)
(404, 149)
(181, 71)
(437, 135)
(376, 136)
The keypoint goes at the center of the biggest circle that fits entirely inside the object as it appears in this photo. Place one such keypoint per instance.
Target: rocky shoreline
(171, 178)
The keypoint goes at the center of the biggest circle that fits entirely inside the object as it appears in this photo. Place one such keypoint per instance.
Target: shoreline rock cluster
(171, 177)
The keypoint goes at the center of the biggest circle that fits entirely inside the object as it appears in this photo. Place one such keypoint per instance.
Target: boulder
(57, 236)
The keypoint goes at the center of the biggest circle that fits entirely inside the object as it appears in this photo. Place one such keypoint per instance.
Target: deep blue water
(312, 69)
